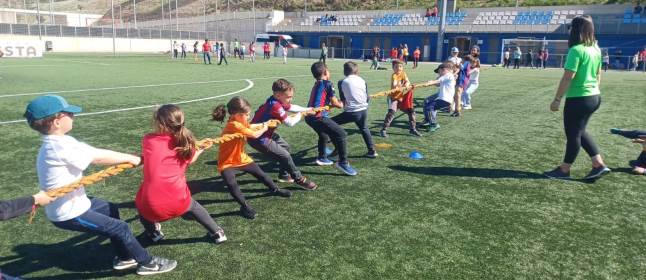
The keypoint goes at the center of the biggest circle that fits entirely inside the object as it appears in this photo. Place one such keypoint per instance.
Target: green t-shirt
(585, 61)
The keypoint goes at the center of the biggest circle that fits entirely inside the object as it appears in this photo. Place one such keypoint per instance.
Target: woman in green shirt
(580, 85)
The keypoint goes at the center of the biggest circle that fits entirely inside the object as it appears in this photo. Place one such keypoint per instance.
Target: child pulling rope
(398, 93)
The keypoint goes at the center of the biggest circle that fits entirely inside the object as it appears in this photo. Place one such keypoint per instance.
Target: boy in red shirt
(416, 54)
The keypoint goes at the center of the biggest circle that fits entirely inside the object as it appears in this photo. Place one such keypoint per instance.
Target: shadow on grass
(84, 256)
(488, 173)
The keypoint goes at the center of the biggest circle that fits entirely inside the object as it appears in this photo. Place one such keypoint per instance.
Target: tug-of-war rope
(398, 93)
(205, 143)
(93, 178)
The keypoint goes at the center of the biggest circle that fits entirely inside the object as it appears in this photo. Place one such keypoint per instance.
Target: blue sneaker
(346, 168)
(597, 173)
(323, 161)
(615, 131)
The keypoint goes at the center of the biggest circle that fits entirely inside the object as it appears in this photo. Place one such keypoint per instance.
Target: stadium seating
(526, 17)
(417, 19)
(341, 20)
(632, 18)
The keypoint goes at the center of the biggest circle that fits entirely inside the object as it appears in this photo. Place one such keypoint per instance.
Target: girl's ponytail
(219, 113)
(170, 119)
(184, 143)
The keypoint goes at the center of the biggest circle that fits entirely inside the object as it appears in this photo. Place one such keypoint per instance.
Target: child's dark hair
(170, 119)
(44, 125)
(281, 85)
(236, 105)
(581, 31)
(318, 70)
(397, 62)
(350, 68)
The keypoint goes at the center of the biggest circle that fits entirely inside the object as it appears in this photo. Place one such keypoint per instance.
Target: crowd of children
(170, 148)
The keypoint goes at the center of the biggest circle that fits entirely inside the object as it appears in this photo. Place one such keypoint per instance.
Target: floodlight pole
(253, 9)
(78, 6)
(440, 32)
(134, 9)
(176, 16)
(51, 13)
(114, 42)
(204, 6)
(40, 33)
(162, 15)
(516, 3)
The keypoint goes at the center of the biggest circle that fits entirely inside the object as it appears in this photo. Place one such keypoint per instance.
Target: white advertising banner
(22, 49)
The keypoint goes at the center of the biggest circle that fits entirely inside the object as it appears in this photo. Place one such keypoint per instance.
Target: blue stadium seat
(626, 20)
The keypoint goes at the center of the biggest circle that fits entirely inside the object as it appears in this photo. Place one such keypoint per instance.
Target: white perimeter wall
(68, 44)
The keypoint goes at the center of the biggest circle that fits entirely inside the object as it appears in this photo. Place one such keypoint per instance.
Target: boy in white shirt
(61, 161)
(442, 99)
(353, 91)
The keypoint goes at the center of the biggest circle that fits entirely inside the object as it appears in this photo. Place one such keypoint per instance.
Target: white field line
(34, 65)
(142, 86)
(250, 84)
(89, 62)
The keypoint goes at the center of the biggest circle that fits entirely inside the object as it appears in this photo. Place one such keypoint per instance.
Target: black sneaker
(156, 265)
(281, 192)
(248, 212)
(597, 172)
(455, 114)
(218, 237)
(557, 174)
(156, 235)
(383, 133)
(415, 132)
(372, 154)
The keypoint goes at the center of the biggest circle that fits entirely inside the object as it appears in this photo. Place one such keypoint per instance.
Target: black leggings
(229, 177)
(576, 114)
(195, 211)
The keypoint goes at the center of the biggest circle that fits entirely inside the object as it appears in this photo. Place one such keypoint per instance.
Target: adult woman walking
(580, 85)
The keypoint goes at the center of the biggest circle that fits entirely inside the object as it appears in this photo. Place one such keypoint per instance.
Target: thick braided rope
(398, 92)
(116, 169)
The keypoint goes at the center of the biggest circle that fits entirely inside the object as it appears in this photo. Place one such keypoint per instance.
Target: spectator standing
(529, 58)
(505, 58)
(605, 60)
(434, 13)
(206, 51)
(517, 55)
(638, 9)
(236, 48)
(323, 56)
(183, 50)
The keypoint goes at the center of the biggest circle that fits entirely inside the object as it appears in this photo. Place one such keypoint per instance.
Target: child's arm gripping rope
(397, 93)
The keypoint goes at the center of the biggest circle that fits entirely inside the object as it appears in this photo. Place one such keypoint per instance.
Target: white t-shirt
(175, 46)
(61, 161)
(447, 87)
(355, 93)
(475, 74)
(456, 60)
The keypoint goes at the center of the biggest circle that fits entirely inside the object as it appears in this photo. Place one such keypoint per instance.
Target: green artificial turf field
(476, 206)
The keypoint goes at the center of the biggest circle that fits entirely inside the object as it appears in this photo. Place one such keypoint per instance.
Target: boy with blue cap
(61, 161)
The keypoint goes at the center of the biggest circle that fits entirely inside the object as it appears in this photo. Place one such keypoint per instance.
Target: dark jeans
(328, 130)
(516, 63)
(229, 177)
(103, 219)
(432, 104)
(361, 120)
(576, 113)
(278, 149)
(632, 134)
(223, 57)
(323, 58)
(390, 116)
(207, 55)
(195, 211)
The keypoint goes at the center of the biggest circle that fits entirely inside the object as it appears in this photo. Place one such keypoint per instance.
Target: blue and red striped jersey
(322, 93)
(271, 109)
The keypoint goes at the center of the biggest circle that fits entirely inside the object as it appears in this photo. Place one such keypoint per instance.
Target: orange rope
(398, 93)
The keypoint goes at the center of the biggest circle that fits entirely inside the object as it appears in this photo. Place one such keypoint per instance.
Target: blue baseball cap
(48, 105)
(455, 49)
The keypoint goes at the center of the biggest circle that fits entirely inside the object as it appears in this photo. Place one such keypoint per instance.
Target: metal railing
(101, 32)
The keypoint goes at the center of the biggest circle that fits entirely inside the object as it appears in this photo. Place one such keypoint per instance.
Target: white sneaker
(466, 108)
(118, 264)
